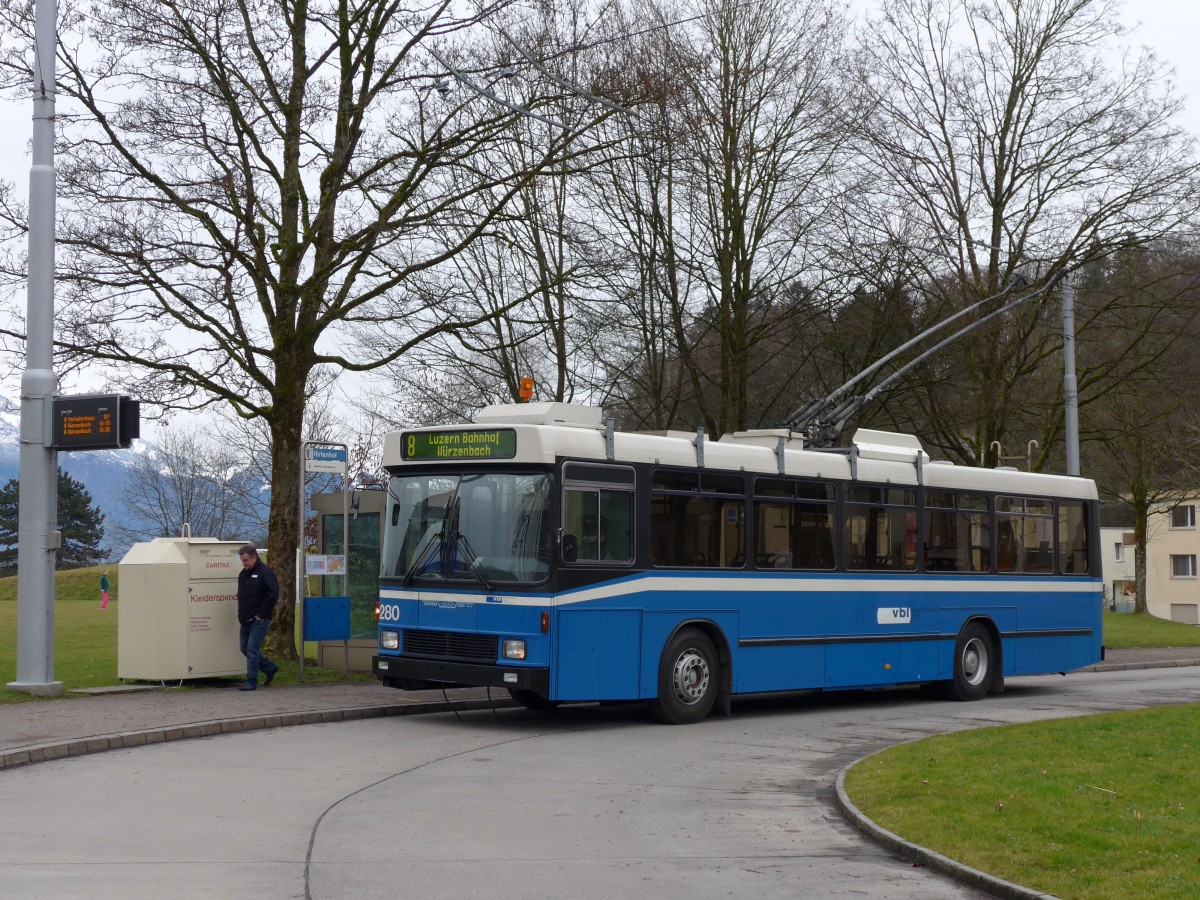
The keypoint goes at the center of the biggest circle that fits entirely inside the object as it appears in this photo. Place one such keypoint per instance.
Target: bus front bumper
(412, 674)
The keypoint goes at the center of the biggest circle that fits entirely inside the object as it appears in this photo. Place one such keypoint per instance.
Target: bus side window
(602, 523)
(1008, 556)
(664, 537)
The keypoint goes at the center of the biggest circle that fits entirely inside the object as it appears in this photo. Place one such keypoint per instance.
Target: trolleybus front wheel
(974, 664)
(689, 678)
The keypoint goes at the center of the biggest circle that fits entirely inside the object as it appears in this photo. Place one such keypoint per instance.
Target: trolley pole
(37, 526)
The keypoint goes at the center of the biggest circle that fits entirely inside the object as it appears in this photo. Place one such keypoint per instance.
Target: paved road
(587, 803)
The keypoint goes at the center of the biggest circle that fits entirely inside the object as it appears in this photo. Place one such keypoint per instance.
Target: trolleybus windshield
(483, 526)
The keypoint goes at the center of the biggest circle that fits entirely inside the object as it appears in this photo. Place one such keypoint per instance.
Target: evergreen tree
(8, 528)
(81, 524)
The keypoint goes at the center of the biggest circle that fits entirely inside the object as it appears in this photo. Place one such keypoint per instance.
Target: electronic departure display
(94, 422)
(448, 445)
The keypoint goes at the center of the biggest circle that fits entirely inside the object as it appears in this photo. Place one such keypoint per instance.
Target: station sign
(94, 422)
(325, 459)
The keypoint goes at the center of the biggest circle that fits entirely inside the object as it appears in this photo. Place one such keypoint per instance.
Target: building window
(1183, 517)
(1119, 552)
(1183, 566)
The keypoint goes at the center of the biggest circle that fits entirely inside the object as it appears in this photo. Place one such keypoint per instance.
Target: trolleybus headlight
(389, 640)
(514, 649)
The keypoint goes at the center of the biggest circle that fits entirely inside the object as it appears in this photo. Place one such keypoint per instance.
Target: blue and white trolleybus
(540, 551)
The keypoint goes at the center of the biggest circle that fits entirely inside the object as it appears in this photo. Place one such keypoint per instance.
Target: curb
(924, 856)
(37, 753)
(1153, 664)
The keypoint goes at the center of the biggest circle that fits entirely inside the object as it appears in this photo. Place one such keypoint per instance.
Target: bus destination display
(448, 445)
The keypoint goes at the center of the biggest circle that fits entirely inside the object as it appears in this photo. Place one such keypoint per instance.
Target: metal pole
(1070, 387)
(300, 579)
(346, 550)
(37, 525)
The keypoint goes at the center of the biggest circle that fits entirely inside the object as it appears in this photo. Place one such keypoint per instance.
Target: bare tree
(242, 183)
(186, 479)
(1013, 151)
(533, 276)
(715, 201)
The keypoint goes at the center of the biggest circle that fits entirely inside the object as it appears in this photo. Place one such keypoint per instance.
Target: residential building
(1119, 552)
(1172, 550)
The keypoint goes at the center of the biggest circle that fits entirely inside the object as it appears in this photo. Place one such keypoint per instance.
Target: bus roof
(542, 433)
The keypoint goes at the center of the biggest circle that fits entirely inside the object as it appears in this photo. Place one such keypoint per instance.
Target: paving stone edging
(924, 856)
(37, 753)
(1149, 664)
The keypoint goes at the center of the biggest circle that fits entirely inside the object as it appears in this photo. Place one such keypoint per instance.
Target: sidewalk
(113, 719)
(37, 731)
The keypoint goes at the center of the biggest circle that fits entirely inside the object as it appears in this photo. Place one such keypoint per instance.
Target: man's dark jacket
(258, 590)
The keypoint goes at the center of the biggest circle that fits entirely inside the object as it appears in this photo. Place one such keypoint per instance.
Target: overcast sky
(1169, 27)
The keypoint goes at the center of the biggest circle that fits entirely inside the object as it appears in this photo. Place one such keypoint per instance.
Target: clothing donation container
(177, 613)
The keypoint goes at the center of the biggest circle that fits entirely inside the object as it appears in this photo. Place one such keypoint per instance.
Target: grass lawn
(1100, 807)
(1126, 631)
(85, 637)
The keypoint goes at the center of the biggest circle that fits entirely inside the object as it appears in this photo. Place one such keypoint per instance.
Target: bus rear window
(1072, 537)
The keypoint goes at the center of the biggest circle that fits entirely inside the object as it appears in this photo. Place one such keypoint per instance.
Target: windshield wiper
(473, 563)
(456, 539)
(424, 556)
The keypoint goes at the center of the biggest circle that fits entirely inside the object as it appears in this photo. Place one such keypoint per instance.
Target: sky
(1169, 27)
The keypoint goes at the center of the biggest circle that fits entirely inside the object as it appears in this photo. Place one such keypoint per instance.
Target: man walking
(258, 589)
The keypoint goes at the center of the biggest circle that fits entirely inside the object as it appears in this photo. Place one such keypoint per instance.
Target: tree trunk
(284, 524)
(1141, 514)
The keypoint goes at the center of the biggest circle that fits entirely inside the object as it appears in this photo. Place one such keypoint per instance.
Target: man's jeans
(251, 637)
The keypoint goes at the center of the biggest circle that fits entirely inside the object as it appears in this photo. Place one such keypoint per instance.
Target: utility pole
(37, 524)
(1070, 387)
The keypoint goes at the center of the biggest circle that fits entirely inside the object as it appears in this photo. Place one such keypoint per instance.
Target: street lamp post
(37, 528)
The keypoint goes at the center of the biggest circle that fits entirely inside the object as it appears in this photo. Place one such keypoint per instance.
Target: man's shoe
(247, 686)
(270, 677)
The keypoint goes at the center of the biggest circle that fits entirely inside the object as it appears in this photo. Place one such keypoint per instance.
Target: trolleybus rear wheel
(974, 664)
(689, 678)
(530, 700)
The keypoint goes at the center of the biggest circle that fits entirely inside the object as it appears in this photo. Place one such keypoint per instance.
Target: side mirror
(570, 548)
(395, 513)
